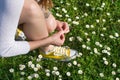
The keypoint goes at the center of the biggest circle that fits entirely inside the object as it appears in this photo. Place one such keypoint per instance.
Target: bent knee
(31, 9)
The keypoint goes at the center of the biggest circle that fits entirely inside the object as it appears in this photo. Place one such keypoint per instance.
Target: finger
(67, 31)
(62, 38)
(66, 28)
(61, 33)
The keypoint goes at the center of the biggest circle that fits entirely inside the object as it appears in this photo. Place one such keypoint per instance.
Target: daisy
(68, 73)
(101, 75)
(80, 72)
(11, 70)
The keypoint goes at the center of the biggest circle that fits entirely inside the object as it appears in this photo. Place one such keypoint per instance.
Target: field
(94, 33)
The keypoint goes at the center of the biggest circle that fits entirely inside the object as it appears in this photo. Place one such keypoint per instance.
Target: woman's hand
(62, 26)
(58, 38)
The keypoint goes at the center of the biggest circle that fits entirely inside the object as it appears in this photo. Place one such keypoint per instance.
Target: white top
(10, 11)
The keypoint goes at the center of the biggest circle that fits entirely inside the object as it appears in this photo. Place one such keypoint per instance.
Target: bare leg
(33, 20)
(51, 23)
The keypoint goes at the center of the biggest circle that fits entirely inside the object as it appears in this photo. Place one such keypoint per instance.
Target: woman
(36, 23)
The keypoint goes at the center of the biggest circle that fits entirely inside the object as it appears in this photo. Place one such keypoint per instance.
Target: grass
(95, 34)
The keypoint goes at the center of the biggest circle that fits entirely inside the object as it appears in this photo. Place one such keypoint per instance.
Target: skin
(37, 28)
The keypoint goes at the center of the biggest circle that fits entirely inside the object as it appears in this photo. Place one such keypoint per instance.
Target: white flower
(35, 69)
(79, 38)
(103, 4)
(75, 22)
(99, 8)
(69, 20)
(106, 62)
(111, 36)
(69, 64)
(104, 51)
(108, 14)
(114, 65)
(59, 79)
(38, 59)
(32, 66)
(87, 4)
(29, 63)
(79, 54)
(29, 77)
(38, 66)
(11, 70)
(61, 2)
(75, 62)
(60, 76)
(57, 14)
(21, 67)
(75, 8)
(88, 48)
(64, 10)
(104, 20)
(101, 75)
(93, 9)
(77, 17)
(119, 20)
(55, 68)
(95, 50)
(88, 39)
(57, 73)
(116, 35)
(108, 53)
(67, 15)
(100, 45)
(104, 58)
(36, 75)
(71, 38)
(22, 73)
(97, 43)
(57, 8)
(117, 78)
(102, 35)
(113, 73)
(82, 16)
(68, 73)
(97, 20)
(91, 26)
(86, 33)
(78, 65)
(47, 70)
(80, 72)
(83, 46)
(40, 56)
(93, 32)
(85, 14)
(91, 52)
(104, 29)
(87, 26)
(108, 48)
(68, 4)
(53, 72)
(48, 74)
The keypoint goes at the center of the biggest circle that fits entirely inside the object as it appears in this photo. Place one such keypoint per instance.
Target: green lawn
(95, 34)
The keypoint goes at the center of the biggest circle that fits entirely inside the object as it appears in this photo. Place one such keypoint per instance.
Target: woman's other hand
(62, 26)
(58, 38)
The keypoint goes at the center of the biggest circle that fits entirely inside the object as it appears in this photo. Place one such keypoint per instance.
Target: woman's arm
(56, 39)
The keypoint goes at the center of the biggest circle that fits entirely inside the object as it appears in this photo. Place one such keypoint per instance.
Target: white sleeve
(10, 11)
